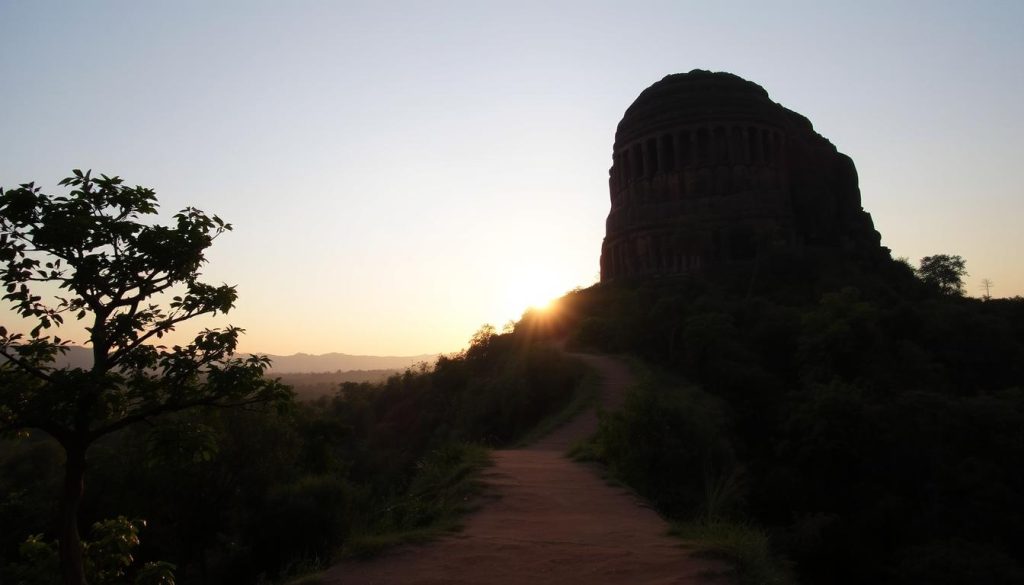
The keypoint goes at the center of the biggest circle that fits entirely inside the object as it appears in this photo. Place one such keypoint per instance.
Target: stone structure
(708, 171)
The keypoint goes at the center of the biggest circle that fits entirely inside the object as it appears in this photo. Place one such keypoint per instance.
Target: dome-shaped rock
(708, 170)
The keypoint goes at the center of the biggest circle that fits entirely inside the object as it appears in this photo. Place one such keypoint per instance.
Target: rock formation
(708, 171)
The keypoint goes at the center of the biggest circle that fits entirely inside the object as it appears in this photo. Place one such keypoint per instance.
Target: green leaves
(109, 557)
(91, 238)
(19, 204)
(110, 266)
(112, 269)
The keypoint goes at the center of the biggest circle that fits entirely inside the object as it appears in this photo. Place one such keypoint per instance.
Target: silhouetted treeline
(872, 425)
(232, 496)
(313, 385)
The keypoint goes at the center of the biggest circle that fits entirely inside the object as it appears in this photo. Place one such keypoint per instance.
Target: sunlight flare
(530, 290)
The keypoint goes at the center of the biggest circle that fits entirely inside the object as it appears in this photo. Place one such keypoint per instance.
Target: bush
(108, 558)
(671, 444)
(442, 489)
(303, 520)
(955, 562)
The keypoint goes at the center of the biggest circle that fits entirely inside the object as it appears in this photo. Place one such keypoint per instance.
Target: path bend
(554, 521)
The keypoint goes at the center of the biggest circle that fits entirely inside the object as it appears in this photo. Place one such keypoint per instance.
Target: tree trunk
(71, 563)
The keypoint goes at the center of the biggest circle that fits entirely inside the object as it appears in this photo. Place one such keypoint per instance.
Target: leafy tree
(945, 272)
(108, 557)
(133, 282)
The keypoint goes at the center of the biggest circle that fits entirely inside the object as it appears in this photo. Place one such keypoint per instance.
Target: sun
(529, 291)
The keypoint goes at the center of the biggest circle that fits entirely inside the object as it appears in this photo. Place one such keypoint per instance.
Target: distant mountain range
(81, 357)
(332, 362)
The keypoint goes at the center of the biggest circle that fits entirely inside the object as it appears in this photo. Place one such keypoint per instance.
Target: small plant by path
(445, 488)
(745, 547)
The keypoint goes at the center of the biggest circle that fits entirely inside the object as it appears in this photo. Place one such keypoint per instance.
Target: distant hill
(333, 362)
(75, 357)
(81, 357)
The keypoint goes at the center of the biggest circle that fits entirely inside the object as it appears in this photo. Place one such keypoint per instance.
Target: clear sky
(400, 173)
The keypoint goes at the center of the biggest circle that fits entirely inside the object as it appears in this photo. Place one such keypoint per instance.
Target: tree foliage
(132, 282)
(109, 558)
(241, 496)
(874, 430)
(945, 272)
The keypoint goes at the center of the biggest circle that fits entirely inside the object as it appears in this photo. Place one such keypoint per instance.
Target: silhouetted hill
(81, 357)
(332, 362)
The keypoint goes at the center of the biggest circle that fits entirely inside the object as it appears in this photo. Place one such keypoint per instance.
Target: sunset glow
(471, 291)
(399, 176)
(530, 292)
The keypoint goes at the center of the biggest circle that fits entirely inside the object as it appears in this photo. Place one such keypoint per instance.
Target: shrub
(671, 444)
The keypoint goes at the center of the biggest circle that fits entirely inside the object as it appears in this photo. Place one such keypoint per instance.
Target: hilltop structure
(708, 171)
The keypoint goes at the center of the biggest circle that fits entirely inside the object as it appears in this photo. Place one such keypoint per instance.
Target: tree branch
(165, 325)
(27, 367)
(145, 294)
(210, 401)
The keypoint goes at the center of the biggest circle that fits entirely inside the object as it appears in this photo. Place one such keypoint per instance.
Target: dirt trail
(553, 521)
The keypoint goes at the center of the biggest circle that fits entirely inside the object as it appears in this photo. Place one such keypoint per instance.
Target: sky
(400, 173)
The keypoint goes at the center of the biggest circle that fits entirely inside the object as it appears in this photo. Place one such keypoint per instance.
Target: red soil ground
(553, 521)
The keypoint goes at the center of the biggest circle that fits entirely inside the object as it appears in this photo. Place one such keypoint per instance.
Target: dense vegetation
(313, 385)
(233, 496)
(871, 422)
(867, 421)
(95, 255)
(238, 482)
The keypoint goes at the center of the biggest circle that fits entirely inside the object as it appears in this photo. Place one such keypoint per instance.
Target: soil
(547, 520)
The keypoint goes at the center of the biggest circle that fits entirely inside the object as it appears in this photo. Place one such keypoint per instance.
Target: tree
(986, 285)
(133, 282)
(945, 272)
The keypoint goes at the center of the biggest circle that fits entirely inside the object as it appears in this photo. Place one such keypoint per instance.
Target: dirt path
(554, 521)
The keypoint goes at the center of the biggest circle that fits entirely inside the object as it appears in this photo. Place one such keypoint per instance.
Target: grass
(743, 546)
(370, 545)
(307, 579)
(586, 451)
(304, 572)
(446, 487)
